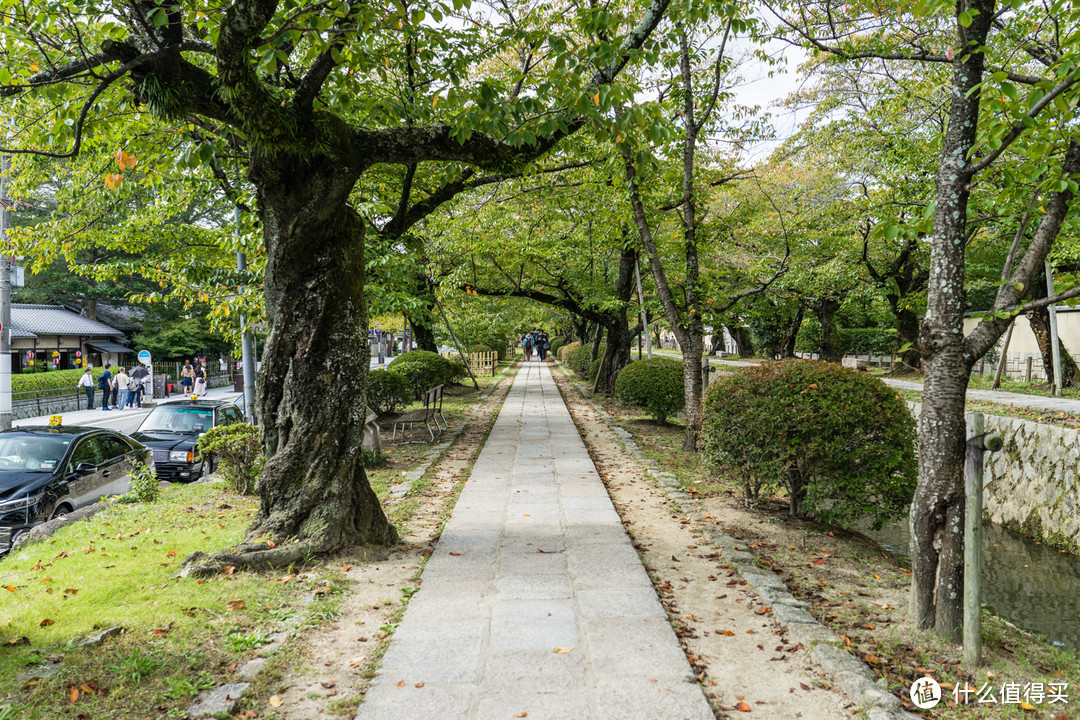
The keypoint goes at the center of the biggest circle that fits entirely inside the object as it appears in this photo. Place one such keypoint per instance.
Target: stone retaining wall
(1032, 483)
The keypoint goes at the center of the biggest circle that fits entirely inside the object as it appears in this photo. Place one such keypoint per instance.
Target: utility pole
(5, 300)
(247, 346)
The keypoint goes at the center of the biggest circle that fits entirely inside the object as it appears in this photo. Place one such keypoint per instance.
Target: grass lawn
(181, 635)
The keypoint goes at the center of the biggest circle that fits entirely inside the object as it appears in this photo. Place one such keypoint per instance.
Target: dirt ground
(744, 661)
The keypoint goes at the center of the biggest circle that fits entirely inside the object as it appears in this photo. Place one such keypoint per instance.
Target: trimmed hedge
(566, 350)
(841, 442)
(423, 369)
(556, 345)
(594, 368)
(62, 381)
(876, 340)
(387, 390)
(578, 359)
(655, 385)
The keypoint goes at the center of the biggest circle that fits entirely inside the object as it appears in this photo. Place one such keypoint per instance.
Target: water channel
(1031, 585)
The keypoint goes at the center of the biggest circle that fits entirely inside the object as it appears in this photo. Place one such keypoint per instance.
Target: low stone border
(850, 675)
(435, 453)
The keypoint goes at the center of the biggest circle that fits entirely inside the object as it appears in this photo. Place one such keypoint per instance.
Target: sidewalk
(534, 603)
(92, 417)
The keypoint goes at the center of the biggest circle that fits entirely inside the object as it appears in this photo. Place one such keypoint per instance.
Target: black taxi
(172, 431)
(46, 471)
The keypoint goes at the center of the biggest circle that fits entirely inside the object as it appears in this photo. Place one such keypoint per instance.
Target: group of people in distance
(125, 390)
(193, 379)
(535, 343)
(119, 391)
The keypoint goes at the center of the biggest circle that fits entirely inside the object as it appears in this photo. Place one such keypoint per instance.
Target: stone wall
(1032, 483)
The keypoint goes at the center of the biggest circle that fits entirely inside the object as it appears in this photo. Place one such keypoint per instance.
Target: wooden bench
(431, 412)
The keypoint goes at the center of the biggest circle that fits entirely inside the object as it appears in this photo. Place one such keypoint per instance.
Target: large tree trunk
(1039, 320)
(831, 347)
(787, 347)
(744, 344)
(937, 511)
(311, 386)
(907, 329)
(424, 336)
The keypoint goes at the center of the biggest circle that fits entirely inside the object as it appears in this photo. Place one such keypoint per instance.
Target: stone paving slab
(534, 600)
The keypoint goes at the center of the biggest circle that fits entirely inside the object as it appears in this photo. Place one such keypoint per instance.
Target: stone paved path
(534, 563)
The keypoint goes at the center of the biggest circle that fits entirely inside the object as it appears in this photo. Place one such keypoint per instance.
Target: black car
(172, 431)
(50, 471)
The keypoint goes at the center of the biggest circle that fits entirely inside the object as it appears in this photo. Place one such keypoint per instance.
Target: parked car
(50, 471)
(172, 431)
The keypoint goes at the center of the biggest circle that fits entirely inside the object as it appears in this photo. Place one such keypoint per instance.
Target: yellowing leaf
(235, 605)
(596, 99)
(563, 650)
(276, 701)
(434, 100)
(9, 588)
(74, 694)
(46, 622)
(1026, 706)
(742, 707)
(113, 181)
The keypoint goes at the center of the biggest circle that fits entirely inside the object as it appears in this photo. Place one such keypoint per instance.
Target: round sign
(78, 353)
(144, 357)
(56, 353)
(29, 354)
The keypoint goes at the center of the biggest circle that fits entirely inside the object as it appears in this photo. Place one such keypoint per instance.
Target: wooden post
(978, 443)
(1027, 374)
(1055, 345)
(453, 337)
(1004, 359)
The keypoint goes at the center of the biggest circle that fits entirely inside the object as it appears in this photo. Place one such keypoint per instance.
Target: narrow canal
(1029, 584)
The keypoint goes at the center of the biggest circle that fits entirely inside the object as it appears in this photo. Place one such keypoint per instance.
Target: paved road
(125, 421)
(534, 603)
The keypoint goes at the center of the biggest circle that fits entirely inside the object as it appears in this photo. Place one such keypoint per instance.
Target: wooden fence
(481, 363)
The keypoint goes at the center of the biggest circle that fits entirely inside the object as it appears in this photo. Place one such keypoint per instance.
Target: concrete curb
(850, 675)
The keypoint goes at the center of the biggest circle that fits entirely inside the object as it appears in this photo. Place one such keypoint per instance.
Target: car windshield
(178, 419)
(25, 452)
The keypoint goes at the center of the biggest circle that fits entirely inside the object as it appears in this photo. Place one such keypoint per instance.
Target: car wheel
(207, 468)
(60, 510)
(16, 535)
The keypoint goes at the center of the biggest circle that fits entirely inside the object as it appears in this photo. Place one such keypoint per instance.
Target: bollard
(978, 443)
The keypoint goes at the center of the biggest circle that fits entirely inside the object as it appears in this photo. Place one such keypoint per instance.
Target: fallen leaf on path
(742, 707)
(563, 650)
(276, 701)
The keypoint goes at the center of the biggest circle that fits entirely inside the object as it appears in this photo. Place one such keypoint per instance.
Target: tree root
(250, 557)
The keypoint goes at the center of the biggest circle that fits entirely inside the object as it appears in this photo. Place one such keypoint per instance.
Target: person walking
(541, 345)
(138, 384)
(105, 382)
(526, 346)
(121, 383)
(200, 381)
(187, 377)
(86, 382)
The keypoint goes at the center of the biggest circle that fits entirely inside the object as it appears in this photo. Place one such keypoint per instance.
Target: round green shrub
(238, 448)
(566, 350)
(458, 371)
(579, 359)
(556, 345)
(387, 391)
(841, 442)
(423, 369)
(480, 348)
(655, 384)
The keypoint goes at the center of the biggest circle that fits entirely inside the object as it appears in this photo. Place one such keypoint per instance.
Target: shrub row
(879, 341)
(422, 369)
(62, 381)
